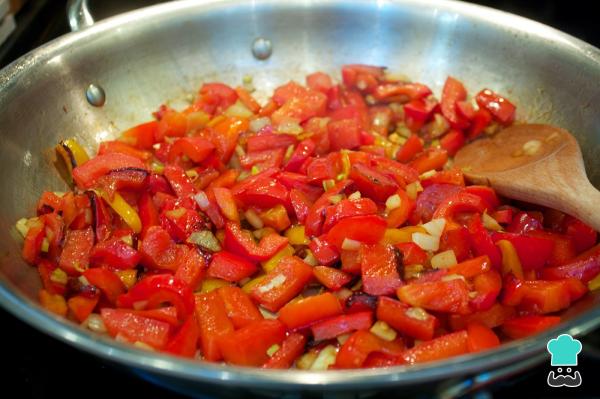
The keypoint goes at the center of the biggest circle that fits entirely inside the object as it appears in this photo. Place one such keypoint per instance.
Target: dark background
(36, 366)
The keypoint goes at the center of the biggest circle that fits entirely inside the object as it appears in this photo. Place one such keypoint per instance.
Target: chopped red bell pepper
(379, 269)
(487, 195)
(523, 223)
(324, 251)
(192, 267)
(481, 119)
(331, 278)
(350, 262)
(431, 198)
(583, 236)
(142, 135)
(239, 307)
(482, 244)
(584, 267)
(134, 328)
(82, 306)
(430, 159)
(460, 202)
(453, 141)
(33, 242)
(185, 342)
(353, 228)
(481, 338)
(107, 281)
(319, 81)
(282, 283)
(564, 248)
(487, 286)
(400, 91)
(534, 252)
(360, 345)
(315, 217)
(179, 181)
(214, 324)
(301, 153)
(343, 324)
(412, 322)
(458, 240)
(240, 242)
(226, 202)
(269, 141)
(344, 133)
(451, 176)
(86, 175)
(412, 254)
(450, 296)
(230, 267)
(119, 147)
(491, 318)
(442, 347)
(147, 212)
(75, 257)
(347, 208)
(410, 148)
(502, 109)
(471, 267)
(195, 148)
(291, 348)
(154, 290)
(372, 183)
(452, 93)
(399, 215)
(353, 74)
(309, 310)
(264, 193)
(248, 346)
(215, 98)
(525, 326)
(158, 251)
(114, 253)
(420, 109)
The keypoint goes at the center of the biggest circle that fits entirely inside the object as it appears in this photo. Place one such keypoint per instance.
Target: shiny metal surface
(165, 52)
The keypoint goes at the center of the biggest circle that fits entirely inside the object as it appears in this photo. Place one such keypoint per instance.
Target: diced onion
(143, 345)
(271, 351)
(490, 223)
(354, 196)
(254, 220)
(206, 239)
(290, 127)
(417, 314)
(305, 361)
(594, 283)
(238, 109)
(443, 260)
(310, 259)
(334, 199)
(383, 331)
(435, 227)
(267, 314)
(341, 339)
(325, 358)
(328, 184)
(413, 271)
(202, 200)
(532, 147)
(45, 245)
(393, 202)
(350, 245)
(22, 226)
(95, 323)
(413, 189)
(259, 123)
(428, 174)
(426, 242)
(274, 283)
(59, 276)
(451, 277)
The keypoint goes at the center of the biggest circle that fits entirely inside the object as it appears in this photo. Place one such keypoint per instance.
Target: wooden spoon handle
(584, 204)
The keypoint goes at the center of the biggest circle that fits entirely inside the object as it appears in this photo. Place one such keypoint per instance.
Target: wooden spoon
(541, 164)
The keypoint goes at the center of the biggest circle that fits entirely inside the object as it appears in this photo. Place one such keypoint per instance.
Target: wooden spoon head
(515, 149)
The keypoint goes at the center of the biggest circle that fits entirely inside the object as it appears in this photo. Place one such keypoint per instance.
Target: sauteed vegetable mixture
(324, 229)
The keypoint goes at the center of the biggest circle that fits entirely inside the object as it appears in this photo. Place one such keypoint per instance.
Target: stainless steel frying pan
(164, 52)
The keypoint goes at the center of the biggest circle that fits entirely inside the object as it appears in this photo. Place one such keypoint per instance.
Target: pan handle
(78, 14)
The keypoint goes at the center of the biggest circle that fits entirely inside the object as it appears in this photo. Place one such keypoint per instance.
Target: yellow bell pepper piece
(270, 264)
(510, 259)
(297, 236)
(594, 283)
(128, 277)
(404, 234)
(211, 284)
(123, 209)
(249, 286)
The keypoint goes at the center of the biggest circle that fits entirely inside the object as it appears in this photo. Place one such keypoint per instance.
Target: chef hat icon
(564, 350)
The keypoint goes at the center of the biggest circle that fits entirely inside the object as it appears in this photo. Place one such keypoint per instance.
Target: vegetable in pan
(324, 229)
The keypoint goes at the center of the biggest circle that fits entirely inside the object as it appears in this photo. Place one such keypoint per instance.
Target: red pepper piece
(460, 202)
(439, 348)
(75, 257)
(134, 328)
(319, 81)
(420, 109)
(168, 314)
(215, 98)
(239, 307)
(241, 243)
(309, 310)
(452, 93)
(195, 148)
(248, 346)
(343, 324)
(315, 216)
(412, 254)
(409, 149)
(481, 338)
(185, 342)
(264, 193)
(325, 168)
(86, 175)
(82, 306)
(450, 296)
(230, 267)
(226, 202)
(379, 268)
(148, 213)
(33, 242)
(542, 296)
(291, 348)
(390, 92)
(156, 289)
(158, 251)
(282, 283)
(453, 141)
(116, 146)
(213, 322)
(583, 236)
(534, 252)
(481, 119)
(564, 248)
(301, 204)
(472, 267)
(45, 269)
(584, 267)
(269, 141)
(458, 240)
(142, 135)
(431, 198)
(179, 181)
(331, 278)
(355, 351)
(502, 109)
(354, 228)
(482, 244)
(398, 216)
(493, 317)
(191, 267)
(451, 176)
(372, 183)
(350, 262)
(487, 285)
(347, 208)
(430, 159)
(344, 133)
(408, 321)
(522, 223)
(525, 326)
(487, 195)
(352, 74)
(102, 218)
(324, 251)
(115, 254)
(301, 153)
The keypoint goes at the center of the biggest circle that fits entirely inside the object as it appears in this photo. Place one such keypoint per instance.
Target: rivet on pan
(262, 48)
(95, 95)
